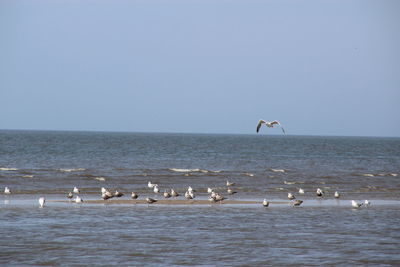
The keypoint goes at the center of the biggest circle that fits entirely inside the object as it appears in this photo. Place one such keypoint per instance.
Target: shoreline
(171, 202)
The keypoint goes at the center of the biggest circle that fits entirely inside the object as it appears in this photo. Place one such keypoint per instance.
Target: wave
(102, 179)
(192, 170)
(368, 175)
(8, 169)
(249, 174)
(72, 170)
(277, 170)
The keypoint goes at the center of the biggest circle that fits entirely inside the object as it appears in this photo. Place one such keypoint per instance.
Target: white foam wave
(394, 174)
(278, 170)
(27, 176)
(72, 170)
(285, 182)
(8, 169)
(249, 174)
(102, 179)
(368, 175)
(192, 170)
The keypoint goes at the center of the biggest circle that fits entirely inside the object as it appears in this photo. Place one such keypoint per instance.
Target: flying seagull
(269, 124)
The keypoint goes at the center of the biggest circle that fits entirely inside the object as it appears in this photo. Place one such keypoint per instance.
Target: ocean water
(323, 231)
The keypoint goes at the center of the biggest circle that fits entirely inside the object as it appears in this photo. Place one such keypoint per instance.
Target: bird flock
(214, 195)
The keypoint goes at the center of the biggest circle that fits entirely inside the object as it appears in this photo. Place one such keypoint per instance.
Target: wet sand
(171, 202)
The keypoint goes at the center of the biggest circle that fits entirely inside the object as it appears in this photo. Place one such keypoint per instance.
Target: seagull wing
(277, 122)
(260, 122)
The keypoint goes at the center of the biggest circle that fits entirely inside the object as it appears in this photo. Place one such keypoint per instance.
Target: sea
(323, 231)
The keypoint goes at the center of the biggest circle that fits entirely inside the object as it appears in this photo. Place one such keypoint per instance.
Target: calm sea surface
(323, 231)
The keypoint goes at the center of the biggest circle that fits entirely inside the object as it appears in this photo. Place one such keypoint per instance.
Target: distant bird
(118, 194)
(190, 189)
(355, 204)
(265, 203)
(230, 183)
(156, 189)
(209, 190)
(150, 184)
(174, 193)
(297, 202)
(269, 124)
(41, 202)
(230, 191)
(106, 196)
(76, 190)
(70, 195)
(367, 203)
(219, 198)
(150, 200)
(301, 191)
(320, 193)
(103, 190)
(337, 195)
(7, 190)
(78, 199)
(134, 195)
(290, 196)
(167, 194)
(189, 195)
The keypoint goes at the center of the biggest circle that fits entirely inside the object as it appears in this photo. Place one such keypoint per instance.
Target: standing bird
(269, 124)
(174, 193)
(265, 203)
(150, 200)
(78, 199)
(355, 204)
(337, 195)
(42, 200)
(7, 190)
(167, 194)
(156, 189)
(230, 191)
(297, 202)
(76, 190)
(230, 183)
(290, 196)
(150, 184)
(118, 194)
(367, 203)
(319, 192)
(301, 191)
(134, 195)
(70, 195)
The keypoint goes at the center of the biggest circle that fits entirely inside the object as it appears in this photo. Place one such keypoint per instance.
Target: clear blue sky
(329, 67)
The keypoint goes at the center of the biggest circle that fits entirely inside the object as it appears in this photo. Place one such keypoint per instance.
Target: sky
(329, 67)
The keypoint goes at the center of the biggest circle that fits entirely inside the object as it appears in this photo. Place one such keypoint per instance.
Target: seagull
(118, 194)
(337, 195)
(269, 124)
(367, 203)
(106, 196)
(319, 192)
(174, 193)
(265, 203)
(70, 195)
(290, 196)
(301, 191)
(229, 183)
(209, 190)
(134, 195)
(189, 195)
(78, 199)
(230, 191)
(76, 190)
(150, 200)
(219, 198)
(150, 185)
(167, 194)
(103, 190)
(355, 204)
(7, 190)
(297, 202)
(190, 189)
(41, 202)
(156, 189)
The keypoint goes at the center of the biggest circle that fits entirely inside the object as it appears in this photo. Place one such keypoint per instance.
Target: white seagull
(156, 189)
(265, 203)
(355, 204)
(301, 191)
(230, 183)
(76, 190)
(269, 124)
(367, 203)
(290, 196)
(41, 202)
(78, 199)
(319, 192)
(7, 190)
(150, 185)
(337, 195)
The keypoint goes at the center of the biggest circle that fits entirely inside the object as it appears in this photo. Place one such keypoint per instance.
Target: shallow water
(323, 231)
